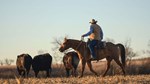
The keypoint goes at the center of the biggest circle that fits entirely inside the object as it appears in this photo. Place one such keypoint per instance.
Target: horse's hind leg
(108, 66)
(119, 63)
(90, 67)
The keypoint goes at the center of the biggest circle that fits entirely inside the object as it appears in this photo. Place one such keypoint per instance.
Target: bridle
(77, 45)
(82, 40)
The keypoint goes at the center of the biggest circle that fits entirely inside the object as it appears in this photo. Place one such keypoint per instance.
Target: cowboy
(95, 35)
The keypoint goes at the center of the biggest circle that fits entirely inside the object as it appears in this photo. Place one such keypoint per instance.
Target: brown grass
(138, 72)
(130, 79)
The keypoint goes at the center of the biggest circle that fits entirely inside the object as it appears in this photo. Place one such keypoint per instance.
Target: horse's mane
(77, 40)
(73, 39)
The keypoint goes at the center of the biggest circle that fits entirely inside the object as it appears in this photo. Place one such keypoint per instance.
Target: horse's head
(65, 45)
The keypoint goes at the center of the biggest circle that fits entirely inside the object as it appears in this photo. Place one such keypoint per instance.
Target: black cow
(23, 64)
(42, 63)
(71, 61)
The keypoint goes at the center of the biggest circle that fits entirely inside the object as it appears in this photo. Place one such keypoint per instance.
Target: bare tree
(41, 51)
(110, 40)
(57, 43)
(8, 61)
(1, 63)
(129, 51)
(57, 55)
(148, 51)
(149, 43)
(129, 54)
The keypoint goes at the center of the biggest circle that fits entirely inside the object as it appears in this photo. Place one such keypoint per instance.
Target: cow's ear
(18, 56)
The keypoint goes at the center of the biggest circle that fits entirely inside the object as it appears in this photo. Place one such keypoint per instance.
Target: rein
(79, 45)
(84, 51)
(82, 39)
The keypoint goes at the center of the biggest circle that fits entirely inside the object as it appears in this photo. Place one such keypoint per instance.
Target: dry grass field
(136, 79)
(138, 72)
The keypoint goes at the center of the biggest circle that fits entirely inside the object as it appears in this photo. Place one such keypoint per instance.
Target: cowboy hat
(93, 21)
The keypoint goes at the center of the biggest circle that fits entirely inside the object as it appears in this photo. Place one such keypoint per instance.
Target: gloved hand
(82, 38)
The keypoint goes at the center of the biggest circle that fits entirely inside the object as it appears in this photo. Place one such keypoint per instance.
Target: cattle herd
(43, 62)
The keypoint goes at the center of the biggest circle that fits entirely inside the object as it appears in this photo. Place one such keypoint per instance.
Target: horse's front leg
(90, 67)
(83, 67)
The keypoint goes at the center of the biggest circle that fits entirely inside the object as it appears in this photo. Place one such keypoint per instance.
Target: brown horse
(110, 52)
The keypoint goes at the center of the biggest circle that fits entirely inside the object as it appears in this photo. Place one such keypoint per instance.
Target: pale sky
(27, 26)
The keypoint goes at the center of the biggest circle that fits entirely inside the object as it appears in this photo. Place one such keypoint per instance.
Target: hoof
(97, 75)
(80, 76)
(103, 75)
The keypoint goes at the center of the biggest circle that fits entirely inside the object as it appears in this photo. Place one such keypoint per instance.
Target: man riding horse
(95, 35)
(110, 52)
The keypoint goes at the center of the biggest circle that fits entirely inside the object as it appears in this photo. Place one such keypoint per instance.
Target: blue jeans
(91, 45)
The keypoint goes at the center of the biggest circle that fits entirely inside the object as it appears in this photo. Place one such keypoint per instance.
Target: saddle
(100, 44)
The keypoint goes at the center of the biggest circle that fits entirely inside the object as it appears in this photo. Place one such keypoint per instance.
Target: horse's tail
(123, 57)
